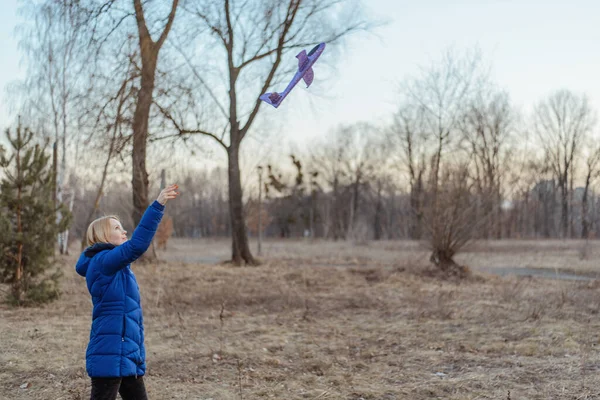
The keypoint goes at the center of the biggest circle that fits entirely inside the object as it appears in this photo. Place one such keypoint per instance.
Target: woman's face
(117, 235)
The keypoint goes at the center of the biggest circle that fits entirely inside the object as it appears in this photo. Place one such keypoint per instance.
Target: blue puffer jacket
(116, 347)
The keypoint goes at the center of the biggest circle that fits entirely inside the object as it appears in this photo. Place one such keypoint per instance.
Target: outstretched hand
(170, 192)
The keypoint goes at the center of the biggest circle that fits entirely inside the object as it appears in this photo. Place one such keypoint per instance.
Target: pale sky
(534, 47)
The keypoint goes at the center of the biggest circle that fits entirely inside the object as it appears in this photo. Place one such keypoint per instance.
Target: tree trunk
(239, 246)
(378, 210)
(571, 216)
(140, 134)
(564, 214)
(443, 259)
(548, 208)
(66, 233)
(90, 217)
(64, 236)
(350, 220)
(418, 206)
(54, 176)
(259, 233)
(149, 54)
(498, 219)
(356, 195)
(312, 213)
(584, 209)
(336, 225)
(523, 227)
(584, 219)
(392, 232)
(413, 230)
(18, 291)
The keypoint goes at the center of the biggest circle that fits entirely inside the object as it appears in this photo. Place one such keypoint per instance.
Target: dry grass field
(332, 321)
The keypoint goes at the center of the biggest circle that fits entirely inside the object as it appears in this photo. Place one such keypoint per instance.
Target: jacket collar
(96, 248)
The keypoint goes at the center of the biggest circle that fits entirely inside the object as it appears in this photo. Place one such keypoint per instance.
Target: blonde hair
(99, 229)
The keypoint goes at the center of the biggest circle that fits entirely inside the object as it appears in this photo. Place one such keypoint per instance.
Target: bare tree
(327, 158)
(561, 122)
(592, 173)
(522, 171)
(361, 143)
(408, 134)
(441, 95)
(455, 217)
(249, 44)
(379, 181)
(287, 195)
(486, 128)
(345, 160)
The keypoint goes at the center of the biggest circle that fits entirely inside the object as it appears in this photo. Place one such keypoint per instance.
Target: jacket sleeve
(123, 255)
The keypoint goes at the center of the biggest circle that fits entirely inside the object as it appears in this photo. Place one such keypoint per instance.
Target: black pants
(130, 388)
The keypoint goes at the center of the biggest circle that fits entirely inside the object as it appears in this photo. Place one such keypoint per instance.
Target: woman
(115, 357)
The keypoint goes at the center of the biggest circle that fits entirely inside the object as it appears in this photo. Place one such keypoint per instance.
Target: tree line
(114, 83)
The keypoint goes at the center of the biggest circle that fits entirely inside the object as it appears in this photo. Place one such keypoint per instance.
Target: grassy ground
(330, 321)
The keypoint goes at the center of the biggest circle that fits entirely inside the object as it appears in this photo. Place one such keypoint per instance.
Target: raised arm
(142, 236)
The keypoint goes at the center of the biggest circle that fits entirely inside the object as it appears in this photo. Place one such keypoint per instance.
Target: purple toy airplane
(305, 71)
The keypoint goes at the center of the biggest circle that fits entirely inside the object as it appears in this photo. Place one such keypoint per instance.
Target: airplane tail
(273, 99)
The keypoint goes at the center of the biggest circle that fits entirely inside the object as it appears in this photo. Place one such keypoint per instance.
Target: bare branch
(202, 81)
(141, 22)
(291, 15)
(230, 32)
(165, 32)
(182, 131)
(212, 27)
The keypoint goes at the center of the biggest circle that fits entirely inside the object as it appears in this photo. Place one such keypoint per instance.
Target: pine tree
(28, 227)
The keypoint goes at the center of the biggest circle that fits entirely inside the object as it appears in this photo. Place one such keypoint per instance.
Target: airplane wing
(308, 77)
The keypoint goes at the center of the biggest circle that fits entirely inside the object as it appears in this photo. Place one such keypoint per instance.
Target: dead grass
(324, 321)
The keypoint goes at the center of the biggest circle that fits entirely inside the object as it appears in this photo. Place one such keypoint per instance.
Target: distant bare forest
(130, 91)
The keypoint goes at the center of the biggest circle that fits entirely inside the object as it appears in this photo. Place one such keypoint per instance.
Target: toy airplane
(305, 71)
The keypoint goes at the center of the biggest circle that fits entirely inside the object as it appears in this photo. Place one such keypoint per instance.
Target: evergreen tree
(28, 227)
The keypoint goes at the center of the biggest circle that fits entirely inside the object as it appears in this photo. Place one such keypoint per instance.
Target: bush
(28, 228)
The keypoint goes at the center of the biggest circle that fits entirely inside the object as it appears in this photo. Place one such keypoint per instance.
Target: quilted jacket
(116, 346)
